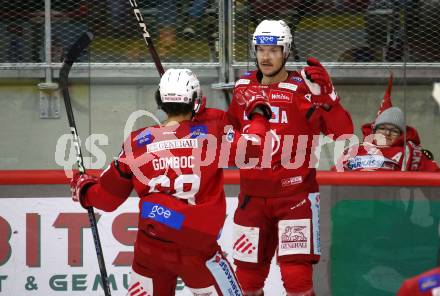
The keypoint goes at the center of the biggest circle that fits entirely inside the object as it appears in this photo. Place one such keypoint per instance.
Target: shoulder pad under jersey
(294, 82)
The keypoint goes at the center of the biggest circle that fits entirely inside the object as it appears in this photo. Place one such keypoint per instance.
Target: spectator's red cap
(387, 113)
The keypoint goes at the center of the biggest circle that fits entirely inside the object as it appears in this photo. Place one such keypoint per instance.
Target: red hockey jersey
(177, 173)
(397, 157)
(288, 167)
(427, 283)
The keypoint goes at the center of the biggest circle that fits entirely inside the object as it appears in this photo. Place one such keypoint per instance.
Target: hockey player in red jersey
(279, 199)
(174, 169)
(389, 144)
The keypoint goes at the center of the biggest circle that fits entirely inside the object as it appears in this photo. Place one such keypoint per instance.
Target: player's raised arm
(326, 104)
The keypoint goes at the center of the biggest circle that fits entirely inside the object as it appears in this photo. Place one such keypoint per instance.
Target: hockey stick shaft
(73, 53)
(147, 37)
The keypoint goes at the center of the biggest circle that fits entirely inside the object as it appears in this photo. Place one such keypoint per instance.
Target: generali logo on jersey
(294, 237)
(280, 96)
(295, 234)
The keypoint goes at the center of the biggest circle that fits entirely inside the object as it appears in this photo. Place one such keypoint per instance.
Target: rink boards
(49, 252)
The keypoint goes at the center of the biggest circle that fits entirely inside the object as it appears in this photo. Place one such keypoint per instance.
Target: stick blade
(75, 50)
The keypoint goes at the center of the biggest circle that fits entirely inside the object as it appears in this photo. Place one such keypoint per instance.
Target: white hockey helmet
(179, 86)
(272, 32)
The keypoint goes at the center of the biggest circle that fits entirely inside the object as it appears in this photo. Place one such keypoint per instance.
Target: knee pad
(297, 278)
(252, 279)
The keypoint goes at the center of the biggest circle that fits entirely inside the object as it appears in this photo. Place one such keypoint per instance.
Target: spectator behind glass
(165, 15)
(167, 18)
(195, 13)
(386, 147)
(16, 37)
(172, 15)
(167, 23)
(69, 21)
(385, 23)
(23, 22)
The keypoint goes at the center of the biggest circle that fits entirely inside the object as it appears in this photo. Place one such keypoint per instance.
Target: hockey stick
(73, 53)
(147, 37)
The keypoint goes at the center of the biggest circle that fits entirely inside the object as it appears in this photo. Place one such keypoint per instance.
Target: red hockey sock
(297, 278)
(252, 279)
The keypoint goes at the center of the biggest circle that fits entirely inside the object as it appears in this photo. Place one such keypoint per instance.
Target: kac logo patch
(198, 131)
(162, 214)
(144, 138)
(248, 73)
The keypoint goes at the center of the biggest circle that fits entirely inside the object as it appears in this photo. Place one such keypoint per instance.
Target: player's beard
(274, 73)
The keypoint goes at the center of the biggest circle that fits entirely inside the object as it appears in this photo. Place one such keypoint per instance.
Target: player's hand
(78, 184)
(319, 83)
(254, 100)
(316, 73)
